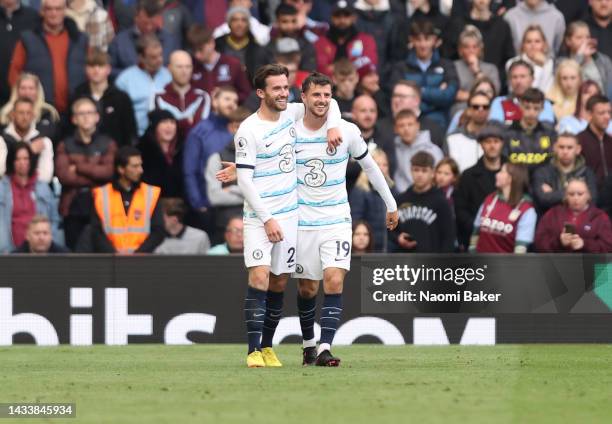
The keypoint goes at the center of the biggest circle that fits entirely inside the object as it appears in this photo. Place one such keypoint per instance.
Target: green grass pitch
(375, 384)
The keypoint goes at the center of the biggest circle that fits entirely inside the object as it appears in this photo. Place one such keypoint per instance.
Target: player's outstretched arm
(377, 179)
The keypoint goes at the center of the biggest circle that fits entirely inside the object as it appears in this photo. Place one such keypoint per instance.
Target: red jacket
(361, 45)
(188, 110)
(592, 225)
(227, 71)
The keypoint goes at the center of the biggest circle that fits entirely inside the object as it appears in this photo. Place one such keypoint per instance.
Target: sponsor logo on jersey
(497, 226)
(242, 143)
(331, 150)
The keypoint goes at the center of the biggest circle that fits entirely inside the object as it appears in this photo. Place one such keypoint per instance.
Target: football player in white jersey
(265, 168)
(324, 226)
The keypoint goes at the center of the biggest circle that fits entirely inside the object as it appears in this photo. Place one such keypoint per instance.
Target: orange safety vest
(126, 233)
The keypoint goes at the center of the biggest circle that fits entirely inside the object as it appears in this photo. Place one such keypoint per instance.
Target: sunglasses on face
(480, 107)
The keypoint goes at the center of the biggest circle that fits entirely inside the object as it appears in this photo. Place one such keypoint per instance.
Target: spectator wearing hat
(123, 49)
(212, 69)
(369, 83)
(478, 181)
(188, 105)
(344, 40)
(240, 42)
(180, 239)
(261, 32)
(286, 26)
(82, 161)
(436, 76)
(162, 154)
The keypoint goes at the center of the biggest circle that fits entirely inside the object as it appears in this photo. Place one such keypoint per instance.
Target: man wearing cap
(478, 181)
(286, 27)
(344, 40)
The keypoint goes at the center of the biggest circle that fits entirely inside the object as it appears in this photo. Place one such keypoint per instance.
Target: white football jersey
(268, 148)
(321, 172)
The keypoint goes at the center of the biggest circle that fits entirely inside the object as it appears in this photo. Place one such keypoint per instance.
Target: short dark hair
(422, 159)
(285, 9)
(422, 27)
(532, 95)
(405, 113)
(97, 57)
(518, 63)
(240, 114)
(567, 134)
(146, 41)
(410, 84)
(124, 154)
(265, 71)
(224, 89)
(315, 78)
(150, 7)
(198, 35)
(595, 100)
(344, 67)
(23, 100)
(174, 206)
(82, 99)
(12, 155)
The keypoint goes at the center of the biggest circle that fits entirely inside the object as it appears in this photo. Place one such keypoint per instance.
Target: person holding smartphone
(576, 225)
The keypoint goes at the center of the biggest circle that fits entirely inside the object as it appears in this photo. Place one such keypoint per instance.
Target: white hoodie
(45, 159)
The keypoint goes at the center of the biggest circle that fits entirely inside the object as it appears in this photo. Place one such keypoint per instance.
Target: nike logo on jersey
(268, 145)
(334, 313)
(290, 265)
(258, 315)
(298, 151)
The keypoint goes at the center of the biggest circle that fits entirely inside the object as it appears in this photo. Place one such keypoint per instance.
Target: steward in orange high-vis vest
(126, 230)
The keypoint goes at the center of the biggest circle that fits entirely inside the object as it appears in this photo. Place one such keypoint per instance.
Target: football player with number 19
(265, 167)
(324, 226)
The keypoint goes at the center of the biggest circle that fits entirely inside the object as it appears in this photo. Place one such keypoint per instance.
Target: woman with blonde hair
(576, 225)
(564, 92)
(536, 51)
(366, 203)
(46, 116)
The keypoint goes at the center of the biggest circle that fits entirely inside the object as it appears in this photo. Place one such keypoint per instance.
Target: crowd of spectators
(490, 119)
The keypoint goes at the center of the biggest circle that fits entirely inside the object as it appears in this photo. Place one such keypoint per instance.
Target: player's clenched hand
(273, 230)
(228, 174)
(334, 137)
(392, 219)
